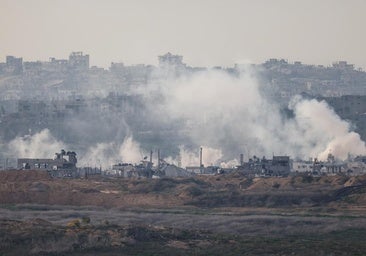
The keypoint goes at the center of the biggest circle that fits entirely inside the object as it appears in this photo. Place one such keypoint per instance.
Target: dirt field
(270, 216)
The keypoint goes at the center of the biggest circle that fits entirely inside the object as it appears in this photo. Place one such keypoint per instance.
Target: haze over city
(171, 127)
(206, 33)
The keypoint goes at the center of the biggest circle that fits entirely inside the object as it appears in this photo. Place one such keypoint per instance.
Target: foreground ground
(210, 215)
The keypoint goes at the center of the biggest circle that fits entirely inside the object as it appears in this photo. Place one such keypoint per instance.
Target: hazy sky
(205, 32)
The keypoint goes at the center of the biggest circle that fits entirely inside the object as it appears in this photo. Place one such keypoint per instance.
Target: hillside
(233, 190)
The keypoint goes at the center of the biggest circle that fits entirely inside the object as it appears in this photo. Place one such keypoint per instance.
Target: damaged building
(58, 167)
(127, 170)
(146, 169)
(277, 166)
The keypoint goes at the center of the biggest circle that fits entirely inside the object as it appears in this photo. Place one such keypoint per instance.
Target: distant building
(56, 65)
(79, 61)
(126, 170)
(280, 165)
(123, 170)
(173, 171)
(302, 166)
(170, 60)
(277, 166)
(14, 65)
(137, 74)
(343, 65)
(117, 68)
(57, 167)
(357, 166)
(194, 169)
(172, 64)
(32, 68)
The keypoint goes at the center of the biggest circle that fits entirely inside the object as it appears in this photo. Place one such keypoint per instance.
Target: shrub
(74, 224)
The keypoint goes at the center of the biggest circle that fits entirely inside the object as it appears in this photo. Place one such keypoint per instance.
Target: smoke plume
(39, 145)
(45, 145)
(107, 154)
(230, 114)
(226, 114)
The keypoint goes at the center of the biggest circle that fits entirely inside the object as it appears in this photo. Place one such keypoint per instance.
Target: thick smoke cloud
(107, 154)
(230, 115)
(44, 145)
(321, 131)
(186, 157)
(40, 145)
(225, 114)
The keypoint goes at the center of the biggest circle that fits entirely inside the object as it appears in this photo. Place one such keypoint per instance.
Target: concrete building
(56, 65)
(169, 59)
(277, 166)
(127, 170)
(356, 166)
(172, 65)
(32, 68)
(117, 68)
(57, 167)
(79, 61)
(14, 65)
(280, 165)
(173, 171)
(343, 65)
(302, 167)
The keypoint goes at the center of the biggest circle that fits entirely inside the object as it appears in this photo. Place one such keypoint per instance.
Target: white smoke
(186, 157)
(321, 131)
(107, 154)
(225, 114)
(229, 114)
(130, 150)
(100, 155)
(210, 157)
(44, 145)
(39, 145)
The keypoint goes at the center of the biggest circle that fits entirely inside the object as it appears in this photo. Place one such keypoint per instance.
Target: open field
(209, 215)
(177, 233)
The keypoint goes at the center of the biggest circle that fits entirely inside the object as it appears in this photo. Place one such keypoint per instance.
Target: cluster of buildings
(63, 165)
(277, 166)
(15, 66)
(341, 78)
(42, 93)
(51, 94)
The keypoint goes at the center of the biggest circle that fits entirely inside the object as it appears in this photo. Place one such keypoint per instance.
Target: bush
(74, 224)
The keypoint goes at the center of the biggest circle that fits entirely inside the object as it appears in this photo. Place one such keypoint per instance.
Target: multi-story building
(79, 61)
(57, 167)
(14, 65)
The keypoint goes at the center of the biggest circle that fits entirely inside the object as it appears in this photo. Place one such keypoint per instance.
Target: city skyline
(206, 33)
(64, 59)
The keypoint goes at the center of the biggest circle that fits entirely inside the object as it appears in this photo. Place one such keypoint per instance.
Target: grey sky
(205, 32)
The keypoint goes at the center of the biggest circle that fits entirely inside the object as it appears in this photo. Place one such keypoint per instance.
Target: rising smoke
(223, 113)
(40, 145)
(227, 115)
(43, 144)
(106, 154)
